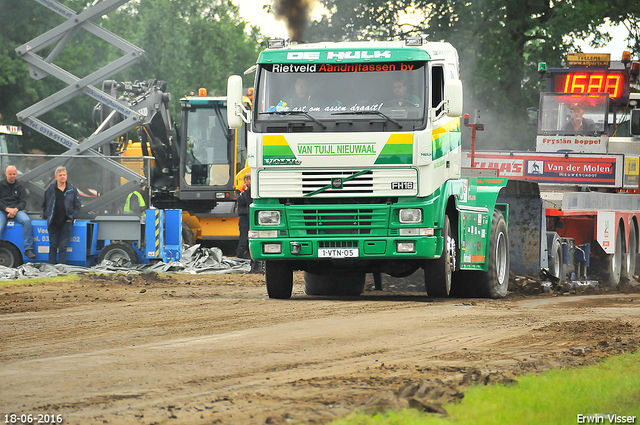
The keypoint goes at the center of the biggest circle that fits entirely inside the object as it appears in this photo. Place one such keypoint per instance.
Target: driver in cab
(299, 101)
(578, 123)
(401, 97)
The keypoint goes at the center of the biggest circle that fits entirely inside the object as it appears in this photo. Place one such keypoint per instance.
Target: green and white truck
(355, 154)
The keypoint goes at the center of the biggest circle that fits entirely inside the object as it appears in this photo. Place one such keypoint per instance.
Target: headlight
(269, 218)
(272, 248)
(405, 247)
(410, 215)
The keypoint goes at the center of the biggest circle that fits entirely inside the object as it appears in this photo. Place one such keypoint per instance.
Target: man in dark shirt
(61, 207)
(579, 124)
(13, 200)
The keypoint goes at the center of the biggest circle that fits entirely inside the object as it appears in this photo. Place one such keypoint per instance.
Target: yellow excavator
(198, 166)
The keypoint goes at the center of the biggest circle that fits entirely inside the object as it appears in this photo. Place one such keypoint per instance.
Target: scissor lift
(160, 239)
(132, 114)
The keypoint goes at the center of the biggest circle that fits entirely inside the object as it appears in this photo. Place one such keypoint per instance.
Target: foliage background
(500, 43)
(199, 43)
(188, 43)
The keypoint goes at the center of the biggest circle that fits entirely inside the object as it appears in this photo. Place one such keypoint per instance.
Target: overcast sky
(252, 12)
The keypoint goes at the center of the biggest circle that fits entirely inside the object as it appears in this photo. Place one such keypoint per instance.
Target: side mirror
(532, 116)
(453, 97)
(635, 122)
(235, 113)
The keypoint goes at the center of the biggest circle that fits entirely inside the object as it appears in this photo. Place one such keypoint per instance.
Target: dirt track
(202, 349)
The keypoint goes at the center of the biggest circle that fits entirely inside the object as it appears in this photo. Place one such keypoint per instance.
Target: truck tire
(279, 278)
(119, 253)
(629, 269)
(437, 273)
(350, 284)
(10, 255)
(494, 282)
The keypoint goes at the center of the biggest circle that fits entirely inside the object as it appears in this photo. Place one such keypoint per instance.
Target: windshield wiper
(306, 114)
(370, 113)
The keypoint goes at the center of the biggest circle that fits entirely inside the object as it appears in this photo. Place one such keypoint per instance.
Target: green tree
(23, 21)
(500, 43)
(188, 43)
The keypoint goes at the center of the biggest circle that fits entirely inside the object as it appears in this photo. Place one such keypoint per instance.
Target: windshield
(337, 92)
(566, 114)
(207, 144)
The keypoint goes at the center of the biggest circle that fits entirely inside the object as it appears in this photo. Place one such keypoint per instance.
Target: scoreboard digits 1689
(615, 82)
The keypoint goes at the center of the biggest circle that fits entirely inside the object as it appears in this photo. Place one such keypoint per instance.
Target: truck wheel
(10, 255)
(495, 282)
(629, 268)
(437, 273)
(279, 277)
(613, 262)
(340, 284)
(120, 253)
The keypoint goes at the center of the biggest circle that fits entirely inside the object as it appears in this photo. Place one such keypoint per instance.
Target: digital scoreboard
(614, 82)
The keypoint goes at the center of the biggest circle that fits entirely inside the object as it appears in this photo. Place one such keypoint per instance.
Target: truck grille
(337, 221)
(285, 183)
(314, 180)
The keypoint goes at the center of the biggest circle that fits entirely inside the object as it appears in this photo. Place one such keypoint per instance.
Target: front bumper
(348, 248)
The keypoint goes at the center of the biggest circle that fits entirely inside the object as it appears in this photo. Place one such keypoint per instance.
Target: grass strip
(30, 281)
(612, 387)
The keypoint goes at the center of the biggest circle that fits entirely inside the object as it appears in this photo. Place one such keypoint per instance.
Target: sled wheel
(614, 262)
(629, 269)
(555, 259)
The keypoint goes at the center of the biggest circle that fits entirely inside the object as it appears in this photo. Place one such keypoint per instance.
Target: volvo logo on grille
(336, 183)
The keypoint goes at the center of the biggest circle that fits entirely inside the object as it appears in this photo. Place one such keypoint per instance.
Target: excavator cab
(207, 148)
(211, 153)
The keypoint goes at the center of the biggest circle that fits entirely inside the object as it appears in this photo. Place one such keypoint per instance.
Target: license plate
(337, 252)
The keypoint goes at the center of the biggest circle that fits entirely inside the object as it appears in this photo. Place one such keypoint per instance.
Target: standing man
(13, 199)
(61, 207)
(136, 202)
(244, 200)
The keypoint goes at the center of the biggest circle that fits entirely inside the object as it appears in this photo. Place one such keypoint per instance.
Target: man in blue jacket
(13, 200)
(61, 207)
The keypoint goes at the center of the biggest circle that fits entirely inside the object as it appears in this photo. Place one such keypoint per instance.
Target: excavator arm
(157, 134)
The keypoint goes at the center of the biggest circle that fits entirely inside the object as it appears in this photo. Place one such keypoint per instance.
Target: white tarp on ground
(195, 260)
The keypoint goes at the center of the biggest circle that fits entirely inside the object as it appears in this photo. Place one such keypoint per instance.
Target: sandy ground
(203, 349)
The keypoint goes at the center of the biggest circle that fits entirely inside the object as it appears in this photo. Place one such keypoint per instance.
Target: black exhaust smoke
(296, 14)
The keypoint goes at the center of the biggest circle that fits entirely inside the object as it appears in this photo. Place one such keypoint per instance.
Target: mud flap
(527, 227)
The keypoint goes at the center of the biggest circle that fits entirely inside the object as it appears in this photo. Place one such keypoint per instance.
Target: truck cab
(354, 150)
